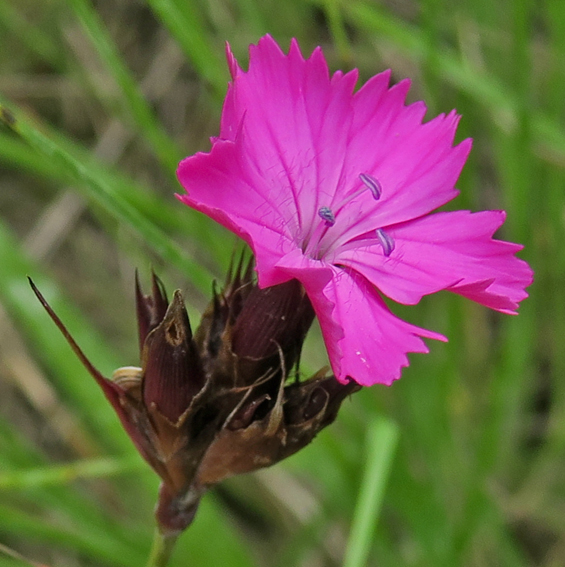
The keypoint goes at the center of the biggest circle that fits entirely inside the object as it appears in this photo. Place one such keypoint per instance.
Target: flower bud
(172, 371)
(270, 330)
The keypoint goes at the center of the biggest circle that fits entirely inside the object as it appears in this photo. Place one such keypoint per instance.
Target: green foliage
(107, 97)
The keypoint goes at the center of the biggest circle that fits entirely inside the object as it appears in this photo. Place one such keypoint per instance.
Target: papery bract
(334, 188)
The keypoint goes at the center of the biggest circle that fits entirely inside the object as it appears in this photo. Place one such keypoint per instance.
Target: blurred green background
(109, 95)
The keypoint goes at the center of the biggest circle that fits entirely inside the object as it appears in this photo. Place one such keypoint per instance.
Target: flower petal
(416, 166)
(280, 152)
(223, 186)
(452, 250)
(295, 120)
(375, 343)
(364, 340)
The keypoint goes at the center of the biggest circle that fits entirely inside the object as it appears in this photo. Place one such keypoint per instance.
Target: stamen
(373, 184)
(369, 182)
(386, 241)
(326, 214)
(329, 215)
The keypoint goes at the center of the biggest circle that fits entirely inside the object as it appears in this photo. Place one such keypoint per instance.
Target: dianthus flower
(334, 188)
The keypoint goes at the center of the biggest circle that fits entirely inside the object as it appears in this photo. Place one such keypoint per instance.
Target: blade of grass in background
(100, 546)
(79, 519)
(337, 29)
(111, 200)
(382, 437)
(17, 558)
(501, 103)
(132, 99)
(185, 25)
(169, 215)
(35, 39)
(64, 474)
(66, 370)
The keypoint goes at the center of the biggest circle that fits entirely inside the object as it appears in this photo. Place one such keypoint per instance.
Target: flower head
(334, 188)
(218, 403)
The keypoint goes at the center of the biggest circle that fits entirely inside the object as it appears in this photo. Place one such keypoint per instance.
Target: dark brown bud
(273, 320)
(172, 371)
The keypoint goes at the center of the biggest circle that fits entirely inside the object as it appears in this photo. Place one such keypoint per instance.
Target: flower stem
(161, 549)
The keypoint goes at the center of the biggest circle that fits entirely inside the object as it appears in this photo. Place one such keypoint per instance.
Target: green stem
(161, 549)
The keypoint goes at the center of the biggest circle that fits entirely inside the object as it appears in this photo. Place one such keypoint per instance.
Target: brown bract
(207, 406)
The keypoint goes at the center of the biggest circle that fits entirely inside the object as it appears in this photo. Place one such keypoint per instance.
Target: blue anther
(326, 214)
(372, 184)
(386, 241)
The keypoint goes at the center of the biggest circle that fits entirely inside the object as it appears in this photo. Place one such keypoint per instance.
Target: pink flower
(334, 188)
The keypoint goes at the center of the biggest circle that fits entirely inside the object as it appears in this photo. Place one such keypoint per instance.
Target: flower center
(329, 217)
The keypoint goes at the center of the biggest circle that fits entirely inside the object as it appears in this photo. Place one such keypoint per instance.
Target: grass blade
(106, 196)
(132, 98)
(382, 437)
(184, 24)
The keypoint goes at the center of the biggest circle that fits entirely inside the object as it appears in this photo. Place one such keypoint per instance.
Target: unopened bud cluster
(207, 405)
